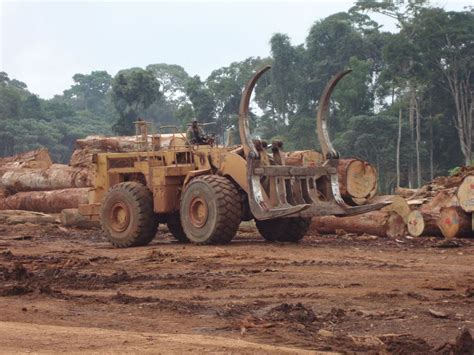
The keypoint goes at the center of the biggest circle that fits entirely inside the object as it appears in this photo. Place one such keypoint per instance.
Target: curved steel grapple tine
(244, 125)
(322, 116)
(257, 203)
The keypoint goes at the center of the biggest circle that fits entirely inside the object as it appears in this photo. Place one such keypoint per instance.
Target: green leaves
(132, 90)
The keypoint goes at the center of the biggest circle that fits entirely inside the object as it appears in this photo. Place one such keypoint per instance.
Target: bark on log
(46, 201)
(109, 144)
(82, 158)
(123, 144)
(357, 180)
(423, 223)
(400, 206)
(20, 217)
(56, 178)
(3, 192)
(444, 198)
(71, 217)
(304, 158)
(37, 159)
(406, 192)
(384, 224)
(465, 194)
(455, 223)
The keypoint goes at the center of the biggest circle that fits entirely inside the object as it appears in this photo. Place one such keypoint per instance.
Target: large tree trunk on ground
(304, 158)
(20, 217)
(384, 224)
(46, 201)
(55, 178)
(82, 158)
(357, 180)
(109, 144)
(465, 194)
(400, 206)
(37, 159)
(455, 223)
(71, 217)
(405, 192)
(423, 223)
(442, 199)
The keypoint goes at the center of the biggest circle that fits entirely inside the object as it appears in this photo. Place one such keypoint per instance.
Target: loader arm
(302, 191)
(258, 199)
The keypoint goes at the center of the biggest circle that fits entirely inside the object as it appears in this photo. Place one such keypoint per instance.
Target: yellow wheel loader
(204, 191)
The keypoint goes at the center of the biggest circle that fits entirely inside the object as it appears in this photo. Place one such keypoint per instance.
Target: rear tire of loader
(210, 210)
(284, 229)
(176, 229)
(127, 215)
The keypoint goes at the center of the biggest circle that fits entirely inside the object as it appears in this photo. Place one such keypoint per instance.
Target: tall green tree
(133, 90)
(446, 43)
(201, 99)
(89, 90)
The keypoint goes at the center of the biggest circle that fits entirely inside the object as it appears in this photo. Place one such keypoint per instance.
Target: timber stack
(30, 181)
(447, 206)
(442, 208)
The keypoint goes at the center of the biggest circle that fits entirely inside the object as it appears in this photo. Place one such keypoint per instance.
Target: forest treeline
(407, 107)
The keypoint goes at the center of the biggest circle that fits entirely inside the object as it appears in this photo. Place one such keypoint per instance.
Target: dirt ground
(69, 290)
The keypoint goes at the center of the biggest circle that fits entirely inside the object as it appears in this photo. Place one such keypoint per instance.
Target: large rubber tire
(210, 210)
(176, 229)
(127, 215)
(291, 229)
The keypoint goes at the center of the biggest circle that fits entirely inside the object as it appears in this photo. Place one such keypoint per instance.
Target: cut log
(405, 192)
(357, 180)
(20, 217)
(109, 144)
(46, 201)
(71, 217)
(384, 224)
(125, 144)
(400, 206)
(36, 159)
(455, 223)
(423, 223)
(395, 227)
(465, 194)
(443, 199)
(56, 178)
(3, 192)
(304, 158)
(82, 158)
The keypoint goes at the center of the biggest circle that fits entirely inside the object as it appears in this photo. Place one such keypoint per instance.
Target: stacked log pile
(86, 148)
(443, 207)
(447, 208)
(30, 181)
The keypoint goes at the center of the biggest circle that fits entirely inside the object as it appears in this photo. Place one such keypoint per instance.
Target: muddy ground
(69, 290)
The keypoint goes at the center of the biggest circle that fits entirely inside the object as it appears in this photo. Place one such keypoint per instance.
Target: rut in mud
(338, 293)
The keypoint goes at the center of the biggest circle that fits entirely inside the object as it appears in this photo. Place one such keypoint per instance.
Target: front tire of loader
(291, 229)
(127, 215)
(210, 210)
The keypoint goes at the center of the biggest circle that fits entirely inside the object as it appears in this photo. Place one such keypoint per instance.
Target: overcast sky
(45, 43)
